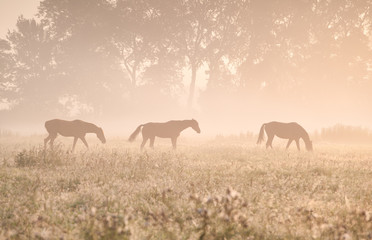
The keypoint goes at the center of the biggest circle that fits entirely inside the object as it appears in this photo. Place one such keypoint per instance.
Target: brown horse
(76, 129)
(291, 131)
(171, 129)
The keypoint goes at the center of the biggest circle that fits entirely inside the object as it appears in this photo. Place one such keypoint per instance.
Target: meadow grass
(203, 190)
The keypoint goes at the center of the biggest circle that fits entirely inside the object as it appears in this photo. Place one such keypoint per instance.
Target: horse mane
(93, 127)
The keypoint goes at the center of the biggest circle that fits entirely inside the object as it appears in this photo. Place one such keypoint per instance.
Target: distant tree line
(338, 133)
(345, 134)
(86, 56)
(7, 133)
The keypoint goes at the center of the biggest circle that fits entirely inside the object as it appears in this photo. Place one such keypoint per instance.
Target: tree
(86, 67)
(32, 53)
(337, 54)
(135, 35)
(225, 41)
(7, 85)
(194, 20)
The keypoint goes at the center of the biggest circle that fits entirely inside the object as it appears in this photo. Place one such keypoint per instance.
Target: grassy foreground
(201, 191)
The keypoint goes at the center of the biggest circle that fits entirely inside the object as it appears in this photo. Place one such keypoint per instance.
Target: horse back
(65, 128)
(285, 130)
(163, 130)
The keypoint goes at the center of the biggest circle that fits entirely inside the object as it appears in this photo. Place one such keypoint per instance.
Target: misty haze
(142, 119)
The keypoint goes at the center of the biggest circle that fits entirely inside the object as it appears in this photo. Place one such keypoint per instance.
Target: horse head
(309, 146)
(101, 135)
(195, 125)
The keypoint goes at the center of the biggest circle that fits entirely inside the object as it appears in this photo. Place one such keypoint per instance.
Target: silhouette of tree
(225, 42)
(194, 20)
(33, 61)
(284, 49)
(133, 48)
(337, 54)
(87, 70)
(7, 85)
(302, 44)
(165, 75)
(267, 45)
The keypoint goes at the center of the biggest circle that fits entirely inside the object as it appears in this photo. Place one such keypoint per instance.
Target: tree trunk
(192, 87)
(134, 77)
(213, 75)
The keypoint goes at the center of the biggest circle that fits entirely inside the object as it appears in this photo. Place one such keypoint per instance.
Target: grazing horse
(76, 129)
(291, 131)
(171, 129)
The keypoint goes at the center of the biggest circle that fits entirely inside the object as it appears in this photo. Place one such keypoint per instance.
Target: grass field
(204, 190)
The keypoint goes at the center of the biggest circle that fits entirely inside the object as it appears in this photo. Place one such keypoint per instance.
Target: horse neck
(91, 128)
(183, 125)
(306, 138)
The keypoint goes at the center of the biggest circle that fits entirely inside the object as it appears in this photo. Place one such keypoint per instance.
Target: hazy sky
(10, 10)
(323, 103)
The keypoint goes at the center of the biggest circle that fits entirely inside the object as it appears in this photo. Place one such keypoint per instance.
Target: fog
(231, 65)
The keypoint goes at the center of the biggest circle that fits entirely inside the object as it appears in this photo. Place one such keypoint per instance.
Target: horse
(170, 129)
(291, 131)
(76, 129)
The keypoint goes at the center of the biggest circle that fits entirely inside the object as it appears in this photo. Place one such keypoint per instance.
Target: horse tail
(261, 135)
(133, 136)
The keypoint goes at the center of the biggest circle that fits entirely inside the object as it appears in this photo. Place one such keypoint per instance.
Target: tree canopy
(90, 57)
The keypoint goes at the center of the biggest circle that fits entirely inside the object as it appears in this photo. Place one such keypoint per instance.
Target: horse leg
(46, 140)
(52, 142)
(73, 145)
(174, 142)
(52, 138)
(298, 144)
(144, 140)
(269, 141)
(289, 143)
(152, 140)
(84, 141)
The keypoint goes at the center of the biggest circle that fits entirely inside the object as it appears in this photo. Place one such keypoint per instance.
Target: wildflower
(93, 211)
